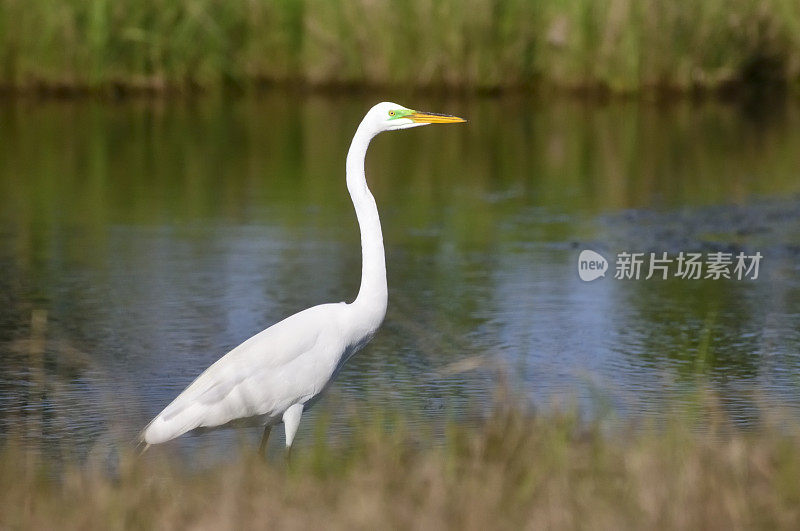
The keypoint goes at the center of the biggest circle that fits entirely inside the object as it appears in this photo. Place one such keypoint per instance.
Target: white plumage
(279, 372)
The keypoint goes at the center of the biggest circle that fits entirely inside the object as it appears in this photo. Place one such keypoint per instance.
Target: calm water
(145, 239)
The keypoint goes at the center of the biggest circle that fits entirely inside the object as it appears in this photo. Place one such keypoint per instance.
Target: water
(146, 238)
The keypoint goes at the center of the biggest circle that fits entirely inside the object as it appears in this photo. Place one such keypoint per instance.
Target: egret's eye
(391, 113)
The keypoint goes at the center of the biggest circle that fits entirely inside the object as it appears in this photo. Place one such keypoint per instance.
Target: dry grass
(516, 471)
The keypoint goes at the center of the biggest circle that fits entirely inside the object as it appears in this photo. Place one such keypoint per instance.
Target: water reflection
(157, 235)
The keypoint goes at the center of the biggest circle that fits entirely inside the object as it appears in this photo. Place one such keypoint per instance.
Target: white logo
(591, 265)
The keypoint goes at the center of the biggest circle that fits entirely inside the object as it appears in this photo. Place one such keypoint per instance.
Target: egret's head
(389, 116)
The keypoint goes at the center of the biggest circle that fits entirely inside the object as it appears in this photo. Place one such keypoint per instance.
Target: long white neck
(373, 293)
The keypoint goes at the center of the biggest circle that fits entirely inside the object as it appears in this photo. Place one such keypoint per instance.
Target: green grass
(514, 471)
(620, 46)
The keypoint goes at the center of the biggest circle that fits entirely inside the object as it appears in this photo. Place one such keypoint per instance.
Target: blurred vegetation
(616, 45)
(267, 159)
(515, 470)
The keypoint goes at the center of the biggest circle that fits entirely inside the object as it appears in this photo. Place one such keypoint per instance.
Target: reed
(621, 46)
(516, 470)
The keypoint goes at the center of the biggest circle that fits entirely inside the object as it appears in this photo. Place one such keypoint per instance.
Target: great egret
(277, 373)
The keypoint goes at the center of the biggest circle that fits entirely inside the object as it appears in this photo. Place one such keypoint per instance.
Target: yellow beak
(433, 118)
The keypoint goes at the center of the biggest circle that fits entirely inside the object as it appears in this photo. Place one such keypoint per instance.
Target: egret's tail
(174, 422)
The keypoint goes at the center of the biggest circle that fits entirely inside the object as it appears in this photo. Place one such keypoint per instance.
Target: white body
(277, 373)
(288, 364)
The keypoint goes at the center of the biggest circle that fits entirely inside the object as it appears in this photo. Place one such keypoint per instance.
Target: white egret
(278, 373)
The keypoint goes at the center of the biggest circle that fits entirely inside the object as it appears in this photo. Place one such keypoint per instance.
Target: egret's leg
(291, 420)
(262, 448)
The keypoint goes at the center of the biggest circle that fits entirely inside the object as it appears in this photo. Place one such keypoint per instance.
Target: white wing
(288, 363)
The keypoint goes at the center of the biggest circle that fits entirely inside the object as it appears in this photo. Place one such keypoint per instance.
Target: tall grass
(616, 45)
(508, 467)
(516, 471)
